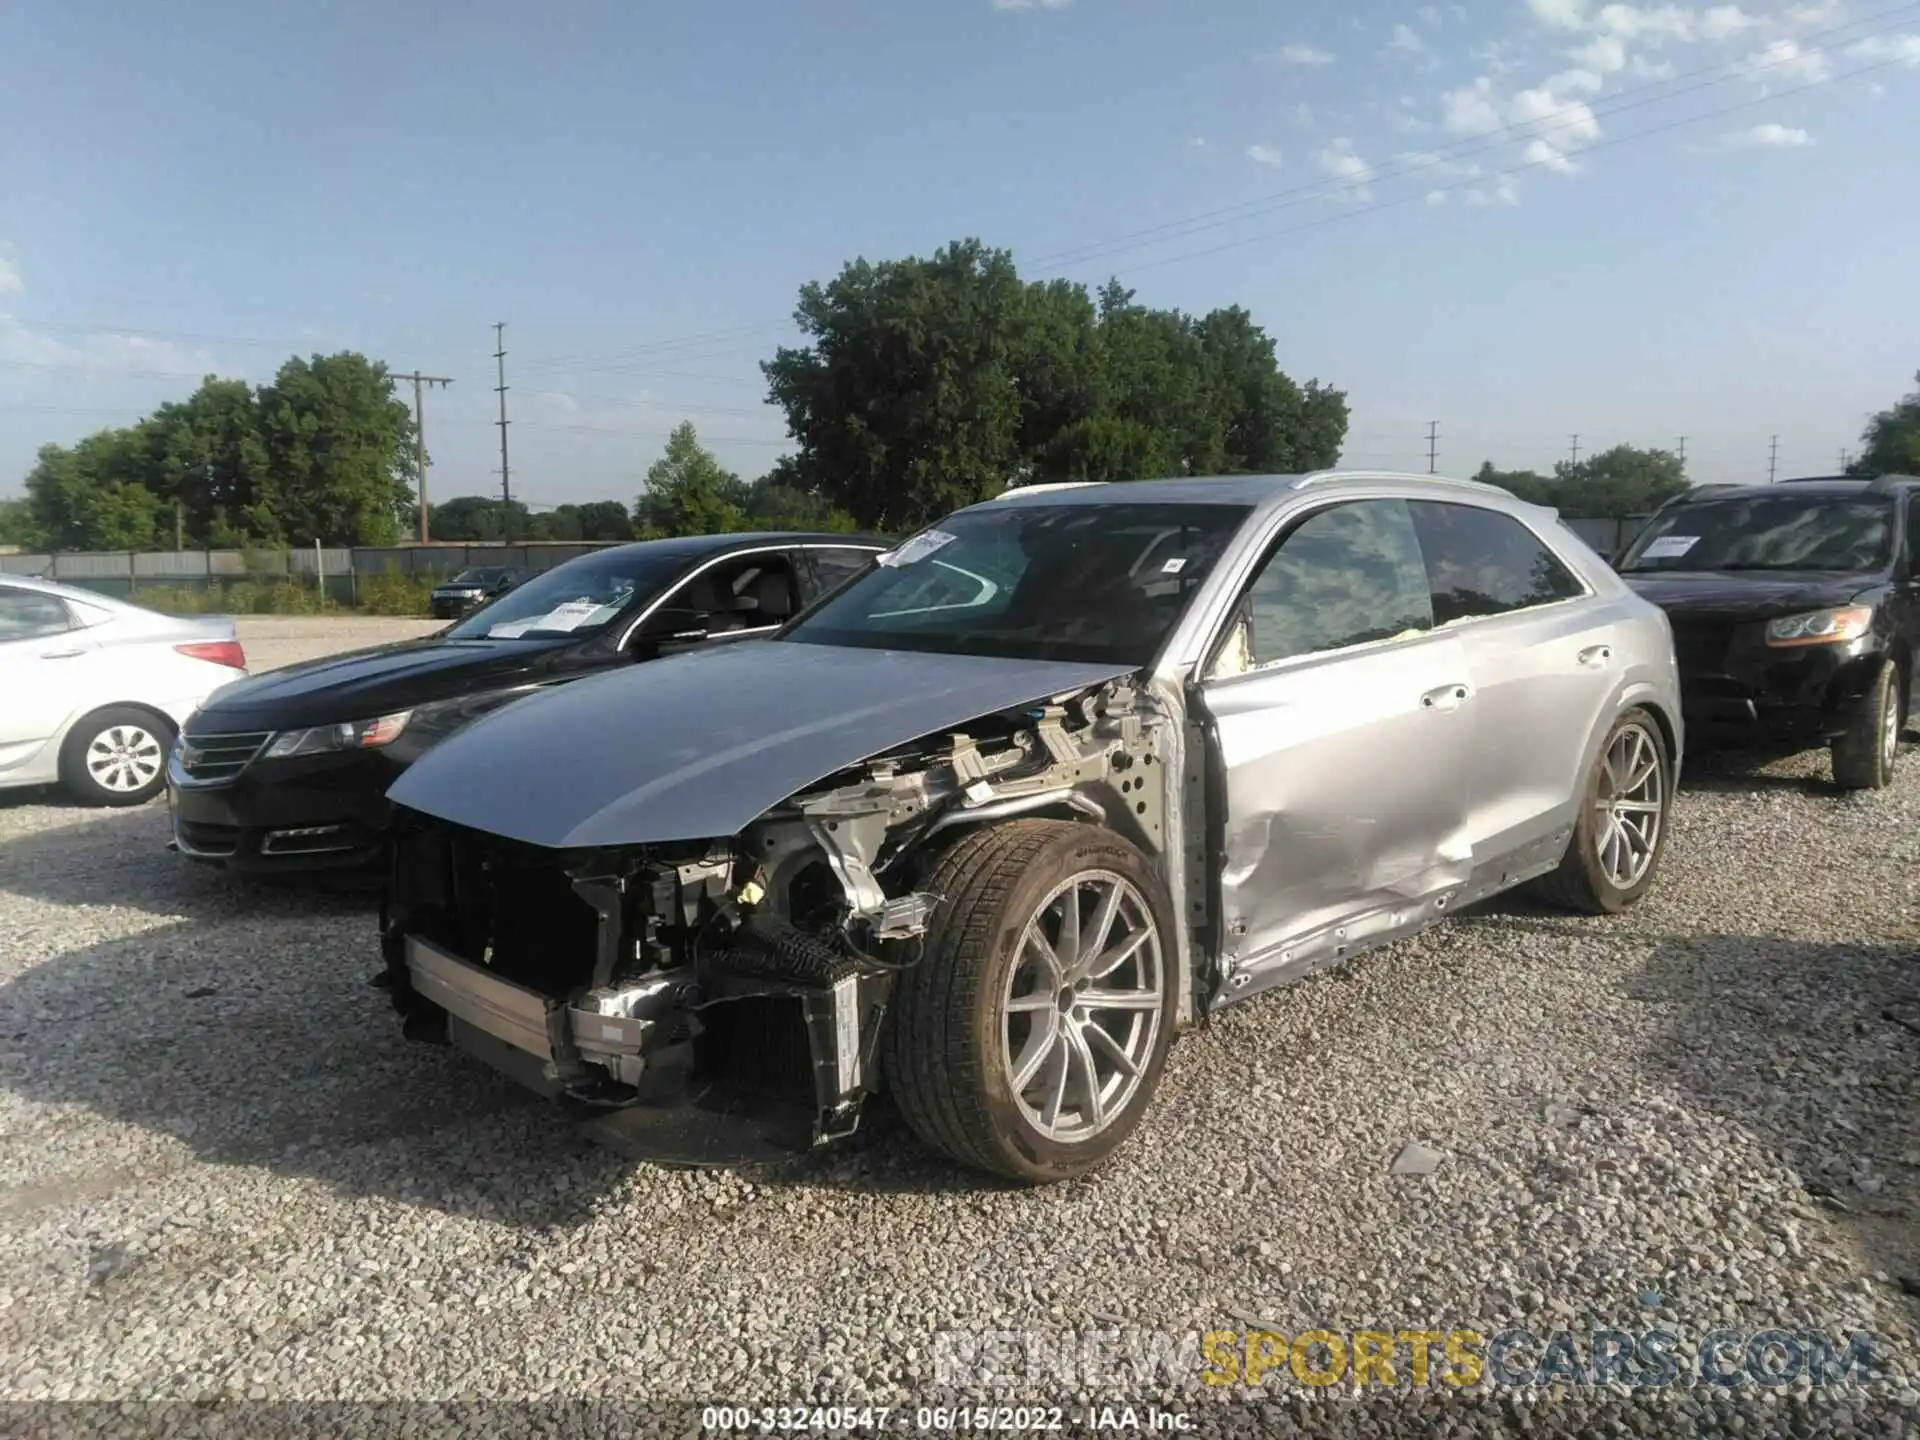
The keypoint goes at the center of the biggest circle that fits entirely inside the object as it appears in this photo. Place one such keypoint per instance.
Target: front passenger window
(1348, 575)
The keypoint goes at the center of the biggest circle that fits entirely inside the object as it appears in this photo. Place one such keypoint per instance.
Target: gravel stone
(225, 1174)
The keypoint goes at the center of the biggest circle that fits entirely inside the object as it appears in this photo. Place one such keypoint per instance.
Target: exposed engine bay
(744, 978)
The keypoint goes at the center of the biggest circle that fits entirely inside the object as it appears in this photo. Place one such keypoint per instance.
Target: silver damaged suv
(991, 823)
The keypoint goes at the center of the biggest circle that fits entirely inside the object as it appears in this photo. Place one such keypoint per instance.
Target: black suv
(472, 587)
(1796, 614)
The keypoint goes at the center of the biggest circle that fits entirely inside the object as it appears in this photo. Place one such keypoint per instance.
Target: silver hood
(697, 746)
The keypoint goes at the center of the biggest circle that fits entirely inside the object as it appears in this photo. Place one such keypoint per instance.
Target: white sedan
(93, 690)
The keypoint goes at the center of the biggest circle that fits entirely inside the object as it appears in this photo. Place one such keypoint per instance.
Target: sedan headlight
(1820, 627)
(349, 735)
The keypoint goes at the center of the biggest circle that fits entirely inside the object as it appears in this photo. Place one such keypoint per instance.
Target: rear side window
(1481, 562)
(829, 569)
(1348, 575)
(26, 614)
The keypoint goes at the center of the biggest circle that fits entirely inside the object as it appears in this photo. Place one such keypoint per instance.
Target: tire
(116, 756)
(1597, 876)
(956, 1036)
(1864, 757)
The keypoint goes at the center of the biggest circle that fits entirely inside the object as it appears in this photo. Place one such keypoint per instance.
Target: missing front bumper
(719, 1067)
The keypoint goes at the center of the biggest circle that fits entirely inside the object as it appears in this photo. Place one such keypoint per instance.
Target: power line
(420, 436)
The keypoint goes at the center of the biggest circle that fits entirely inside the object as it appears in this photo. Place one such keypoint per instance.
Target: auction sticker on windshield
(918, 548)
(1669, 547)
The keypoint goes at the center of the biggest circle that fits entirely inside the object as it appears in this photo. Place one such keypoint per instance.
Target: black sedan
(289, 770)
(1796, 615)
(472, 588)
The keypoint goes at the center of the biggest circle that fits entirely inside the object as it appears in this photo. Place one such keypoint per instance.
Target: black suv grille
(220, 757)
(1701, 645)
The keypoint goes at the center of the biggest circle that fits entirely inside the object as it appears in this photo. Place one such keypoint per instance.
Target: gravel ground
(225, 1176)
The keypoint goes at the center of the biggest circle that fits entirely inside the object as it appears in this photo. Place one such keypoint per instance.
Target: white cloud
(1298, 54)
(1303, 115)
(1540, 153)
(1903, 48)
(1603, 53)
(1722, 22)
(1198, 142)
(1436, 197)
(1574, 82)
(1630, 22)
(1406, 40)
(11, 282)
(1030, 4)
(1501, 192)
(1340, 161)
(1540, 108)
(1642, 68)
(104, 354)
(1771, 136)
(1429, 16)
(1264, 155)
(1471, 110)
(1788, 60)
(1567, 14)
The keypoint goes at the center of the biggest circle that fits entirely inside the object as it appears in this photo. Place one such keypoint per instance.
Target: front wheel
(1864, 757)
(1029, 1037)
(116, 756)
(1621, 830)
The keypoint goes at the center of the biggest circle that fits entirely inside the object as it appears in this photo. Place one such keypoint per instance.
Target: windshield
(1767, 532)
(576, 598)
(474, 577)
(1099, 583)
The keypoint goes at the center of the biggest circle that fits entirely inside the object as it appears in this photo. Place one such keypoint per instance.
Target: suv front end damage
(716, 1000)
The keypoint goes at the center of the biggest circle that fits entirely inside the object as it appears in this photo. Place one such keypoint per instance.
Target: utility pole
(1846, 461)
(1576, 449)
(420, 437)
(506, 485)
(1433, 447)
(179, 529)
(1682, 452)
(1773, 459)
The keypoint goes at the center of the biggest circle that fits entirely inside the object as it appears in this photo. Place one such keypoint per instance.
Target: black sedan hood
(364, 683)
(697, 746)
(1747, 594)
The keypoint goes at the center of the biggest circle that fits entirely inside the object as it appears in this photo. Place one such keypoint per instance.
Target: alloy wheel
(1631, 802)
(124, 758)
(1083, 1005)
(1890, 726)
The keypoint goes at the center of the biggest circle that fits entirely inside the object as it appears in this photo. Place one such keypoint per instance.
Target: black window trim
(1210, 653)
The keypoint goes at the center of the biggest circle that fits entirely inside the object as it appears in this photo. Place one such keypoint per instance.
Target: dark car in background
(1796, 614)
(289, 770)
(471, 588)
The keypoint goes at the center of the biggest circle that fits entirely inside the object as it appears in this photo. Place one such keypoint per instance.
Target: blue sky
(1524, 219)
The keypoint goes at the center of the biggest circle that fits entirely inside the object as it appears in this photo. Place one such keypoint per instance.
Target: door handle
(1447, 697)
(1595, 656)
(61, 654)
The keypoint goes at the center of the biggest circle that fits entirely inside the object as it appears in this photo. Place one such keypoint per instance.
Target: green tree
(1892, 439)
(688, 491)
(906, 403)
(340, 450)
(18, 525)
(476, 518)
(931, 384)
(208, 456)
(603, 520)
(1613, 484)
(92, 496)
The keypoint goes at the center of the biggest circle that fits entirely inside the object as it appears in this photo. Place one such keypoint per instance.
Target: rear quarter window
(1482, 562)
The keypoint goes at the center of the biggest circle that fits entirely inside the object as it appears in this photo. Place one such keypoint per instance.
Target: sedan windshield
(1766, 532)
(577, 598)
(1101, 583)
(475, 577)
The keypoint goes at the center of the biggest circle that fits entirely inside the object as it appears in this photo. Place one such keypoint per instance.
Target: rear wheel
(1029, 1038)
(1622, 826)
(1864, 757)
(116, 756)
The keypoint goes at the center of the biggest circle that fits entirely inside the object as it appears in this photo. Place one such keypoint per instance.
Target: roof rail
(1043, 489)
(1817, 479)
(1324, 477)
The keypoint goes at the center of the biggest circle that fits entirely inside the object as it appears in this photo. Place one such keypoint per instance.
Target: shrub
(389, 592)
